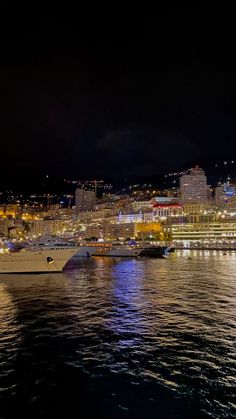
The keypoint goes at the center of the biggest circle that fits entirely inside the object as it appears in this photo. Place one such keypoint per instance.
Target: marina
(117, 211)
(51, 254)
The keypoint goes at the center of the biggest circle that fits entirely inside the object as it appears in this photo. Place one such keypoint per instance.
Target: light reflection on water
(122, 337)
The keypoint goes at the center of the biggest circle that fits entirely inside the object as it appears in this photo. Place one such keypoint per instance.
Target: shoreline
(224, 249)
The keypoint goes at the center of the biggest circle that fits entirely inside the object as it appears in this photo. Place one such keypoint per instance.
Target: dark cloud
(145, 152)
(84, 96)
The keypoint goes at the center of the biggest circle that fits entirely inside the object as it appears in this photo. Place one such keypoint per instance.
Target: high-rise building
(84, 200)
(193, 186)
(220, 197)
(224, 193)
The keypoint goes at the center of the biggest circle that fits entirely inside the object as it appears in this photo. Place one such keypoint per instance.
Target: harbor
(117, 211)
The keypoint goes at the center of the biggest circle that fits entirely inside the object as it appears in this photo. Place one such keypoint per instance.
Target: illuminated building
(9, 210)
(135, 217)
(172, 192)
(205, 235)
(193, 186)
(4, 224)
(153, 230)
(232, 203)
(224, 193)
(195, 208)
(84, 200)
(110, 231)
(220, 196)
(41, 227)
(166, 207)
(141, 205)
(123, 231)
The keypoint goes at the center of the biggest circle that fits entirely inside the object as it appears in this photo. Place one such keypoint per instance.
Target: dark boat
(154, 251)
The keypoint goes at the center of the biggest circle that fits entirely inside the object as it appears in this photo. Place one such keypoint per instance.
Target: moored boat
(132, 249)
(28, 260)
(154, 251)
(117, 250)
(47, 241)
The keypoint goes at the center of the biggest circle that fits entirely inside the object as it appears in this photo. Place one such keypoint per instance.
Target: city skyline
(117, 210)
(216, 172)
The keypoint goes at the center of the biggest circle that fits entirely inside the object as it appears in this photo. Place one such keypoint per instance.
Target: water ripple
(121, 339)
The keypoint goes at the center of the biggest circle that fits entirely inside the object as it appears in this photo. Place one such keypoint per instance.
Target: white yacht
(131, 249)
(35, 260)
(116, 250)
(83, 250)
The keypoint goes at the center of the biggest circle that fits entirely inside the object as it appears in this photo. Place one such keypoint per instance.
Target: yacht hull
(118, 252)
(154, 252)
(36, 261)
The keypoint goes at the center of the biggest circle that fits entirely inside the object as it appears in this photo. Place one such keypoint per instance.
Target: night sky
(86, 94)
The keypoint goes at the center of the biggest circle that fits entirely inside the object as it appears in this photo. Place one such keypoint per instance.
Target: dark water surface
(121, 339)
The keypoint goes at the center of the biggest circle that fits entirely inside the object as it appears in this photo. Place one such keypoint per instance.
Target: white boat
(83, 250)
(117, 250)
(28, 260)
(129, 250)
